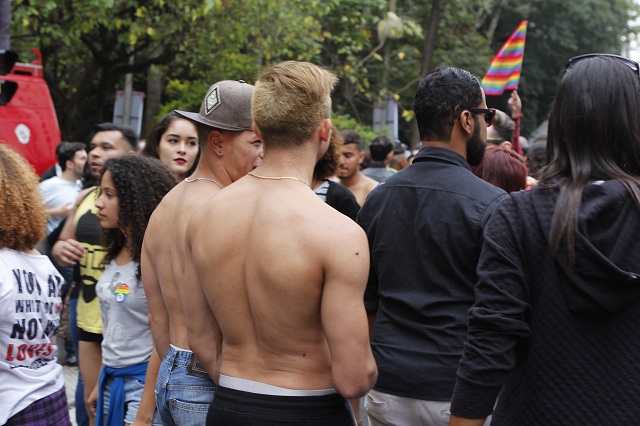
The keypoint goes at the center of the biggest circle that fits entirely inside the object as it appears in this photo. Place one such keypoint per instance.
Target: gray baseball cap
(227, 106)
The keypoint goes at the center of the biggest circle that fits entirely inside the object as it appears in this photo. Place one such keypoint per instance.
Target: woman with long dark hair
(554, 334)
(174, 141)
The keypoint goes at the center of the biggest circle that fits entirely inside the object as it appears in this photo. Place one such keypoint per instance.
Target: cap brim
(195, 117)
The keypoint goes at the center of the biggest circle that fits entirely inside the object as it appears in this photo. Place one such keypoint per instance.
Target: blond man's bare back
(284, 275)
(163, 256)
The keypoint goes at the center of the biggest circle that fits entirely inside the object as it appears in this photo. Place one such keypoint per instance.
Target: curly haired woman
(32, 390)
(130, 189)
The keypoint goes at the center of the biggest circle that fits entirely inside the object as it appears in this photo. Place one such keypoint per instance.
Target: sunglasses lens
(633, 65)
(490, 117)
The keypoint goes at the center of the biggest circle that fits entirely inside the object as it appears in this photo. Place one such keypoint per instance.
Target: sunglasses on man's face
(628, 62)
(489, 114)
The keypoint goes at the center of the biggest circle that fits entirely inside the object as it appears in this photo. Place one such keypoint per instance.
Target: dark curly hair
(140, 183)
(21, 209)
(328, 164)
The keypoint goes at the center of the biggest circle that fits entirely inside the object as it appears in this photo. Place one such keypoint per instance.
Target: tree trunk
(152, 101)
(437, 7)
(5, 21)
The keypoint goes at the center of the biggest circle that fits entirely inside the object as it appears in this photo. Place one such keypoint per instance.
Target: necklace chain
(201, 178)
(277, 178)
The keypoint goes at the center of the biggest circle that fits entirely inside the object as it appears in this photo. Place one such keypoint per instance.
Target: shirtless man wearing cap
(229, 149)
(287, 299)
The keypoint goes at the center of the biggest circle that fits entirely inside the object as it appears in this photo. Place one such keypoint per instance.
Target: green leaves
(86, 45)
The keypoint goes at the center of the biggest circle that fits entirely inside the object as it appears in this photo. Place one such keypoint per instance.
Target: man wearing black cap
(229, 149)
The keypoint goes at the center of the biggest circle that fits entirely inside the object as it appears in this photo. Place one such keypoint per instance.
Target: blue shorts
(182, 398)
(132, 396)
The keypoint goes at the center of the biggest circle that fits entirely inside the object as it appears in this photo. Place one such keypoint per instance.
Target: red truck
(28, 121)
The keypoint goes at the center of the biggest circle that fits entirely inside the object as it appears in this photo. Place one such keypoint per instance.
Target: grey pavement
(70, 382)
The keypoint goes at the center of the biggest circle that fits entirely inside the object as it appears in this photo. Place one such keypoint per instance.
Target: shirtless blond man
(349, 170)
(229, 149)
(287, 298)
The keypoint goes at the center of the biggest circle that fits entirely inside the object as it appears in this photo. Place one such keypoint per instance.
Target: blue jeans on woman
(82, 418)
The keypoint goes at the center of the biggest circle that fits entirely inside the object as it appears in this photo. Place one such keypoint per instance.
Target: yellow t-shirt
(89, 234)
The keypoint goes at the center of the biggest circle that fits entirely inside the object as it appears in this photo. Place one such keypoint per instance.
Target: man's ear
(361, 155)
(325, 130)
(215, 140)
(466, 121)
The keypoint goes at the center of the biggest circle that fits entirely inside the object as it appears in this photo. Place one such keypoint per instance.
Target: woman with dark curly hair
(174, 141)
(32, 390)
(130, 189)
(334, 194)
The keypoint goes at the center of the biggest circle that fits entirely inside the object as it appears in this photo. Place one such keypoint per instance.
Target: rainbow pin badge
(121, 293)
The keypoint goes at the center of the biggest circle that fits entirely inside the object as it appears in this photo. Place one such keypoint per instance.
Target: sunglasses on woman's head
(628, 62)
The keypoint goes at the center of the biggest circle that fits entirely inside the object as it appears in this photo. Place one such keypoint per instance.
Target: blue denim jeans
(82, 418)
(182, 399)
(132, 397)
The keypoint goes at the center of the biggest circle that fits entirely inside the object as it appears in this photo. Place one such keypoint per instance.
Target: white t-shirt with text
(30, 305)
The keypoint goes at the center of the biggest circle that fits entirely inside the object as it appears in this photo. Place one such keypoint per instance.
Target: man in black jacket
(424, 226)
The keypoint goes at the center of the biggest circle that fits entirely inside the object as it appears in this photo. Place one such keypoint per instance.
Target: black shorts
(237, 408)
(86, 336)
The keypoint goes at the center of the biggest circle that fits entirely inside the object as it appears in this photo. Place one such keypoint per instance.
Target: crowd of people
(247, 267)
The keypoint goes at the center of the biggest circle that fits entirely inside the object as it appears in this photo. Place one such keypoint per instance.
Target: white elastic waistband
(177, 349)
(264, 389)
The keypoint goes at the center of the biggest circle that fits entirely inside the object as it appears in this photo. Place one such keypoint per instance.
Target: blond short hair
(21, 208)
(290, 100)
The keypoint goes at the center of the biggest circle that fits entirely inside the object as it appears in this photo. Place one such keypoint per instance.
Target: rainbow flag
(504, 70)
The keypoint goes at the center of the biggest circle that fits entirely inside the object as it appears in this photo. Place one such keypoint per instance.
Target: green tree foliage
(557, 31)
(239, 40)
(86, 45)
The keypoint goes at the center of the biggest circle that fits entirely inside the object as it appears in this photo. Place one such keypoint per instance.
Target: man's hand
(515, 104)
(67, 252)
(60, 211)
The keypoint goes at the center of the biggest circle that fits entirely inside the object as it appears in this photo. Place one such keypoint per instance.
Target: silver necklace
(277, 177)
(201, 178)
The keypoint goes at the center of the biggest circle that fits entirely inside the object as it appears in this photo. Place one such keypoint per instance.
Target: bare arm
(148, 401)
(459, 421)
(516, 112)
(60, 211)
(203, 332)
(67, 251)
(344, 319)
(158, 315)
